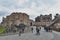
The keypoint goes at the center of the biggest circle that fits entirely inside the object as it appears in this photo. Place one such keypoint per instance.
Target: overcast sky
(31, 7)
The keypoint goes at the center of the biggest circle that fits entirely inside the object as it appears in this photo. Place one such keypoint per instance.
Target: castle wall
(16, 19)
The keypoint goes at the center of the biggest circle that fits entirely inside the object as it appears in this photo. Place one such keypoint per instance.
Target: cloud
(50, 2)
(31, 7)
(7, 3)
(4, 11)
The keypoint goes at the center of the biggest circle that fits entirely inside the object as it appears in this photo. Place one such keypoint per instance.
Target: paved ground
(31, 36)
(28, 36)
(56, 37)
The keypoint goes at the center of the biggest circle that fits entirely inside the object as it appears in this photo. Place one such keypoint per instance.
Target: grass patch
(2, 29)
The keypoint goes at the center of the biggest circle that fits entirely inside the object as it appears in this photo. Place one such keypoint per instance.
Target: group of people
(21, 28)
(21, 31)
(37, 30)
(48, 29)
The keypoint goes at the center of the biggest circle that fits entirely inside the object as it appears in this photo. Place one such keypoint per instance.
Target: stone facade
(16, 18)
(43, 20)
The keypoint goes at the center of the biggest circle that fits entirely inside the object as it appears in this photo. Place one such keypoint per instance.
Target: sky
(32, 7)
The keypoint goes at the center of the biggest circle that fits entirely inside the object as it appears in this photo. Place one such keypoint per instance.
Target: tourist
(23, 30)
(46, 29)
(32, 29)
(37, 31)
(20, 32)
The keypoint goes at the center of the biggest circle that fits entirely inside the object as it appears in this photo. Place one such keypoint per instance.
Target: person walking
(32, 29)
(37, 31)
(20, 31)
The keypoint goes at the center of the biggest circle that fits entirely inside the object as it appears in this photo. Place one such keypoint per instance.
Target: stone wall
(43, 18)
(16, 18)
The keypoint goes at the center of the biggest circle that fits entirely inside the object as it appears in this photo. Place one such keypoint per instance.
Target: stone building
(43, 20)
(16, 18)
